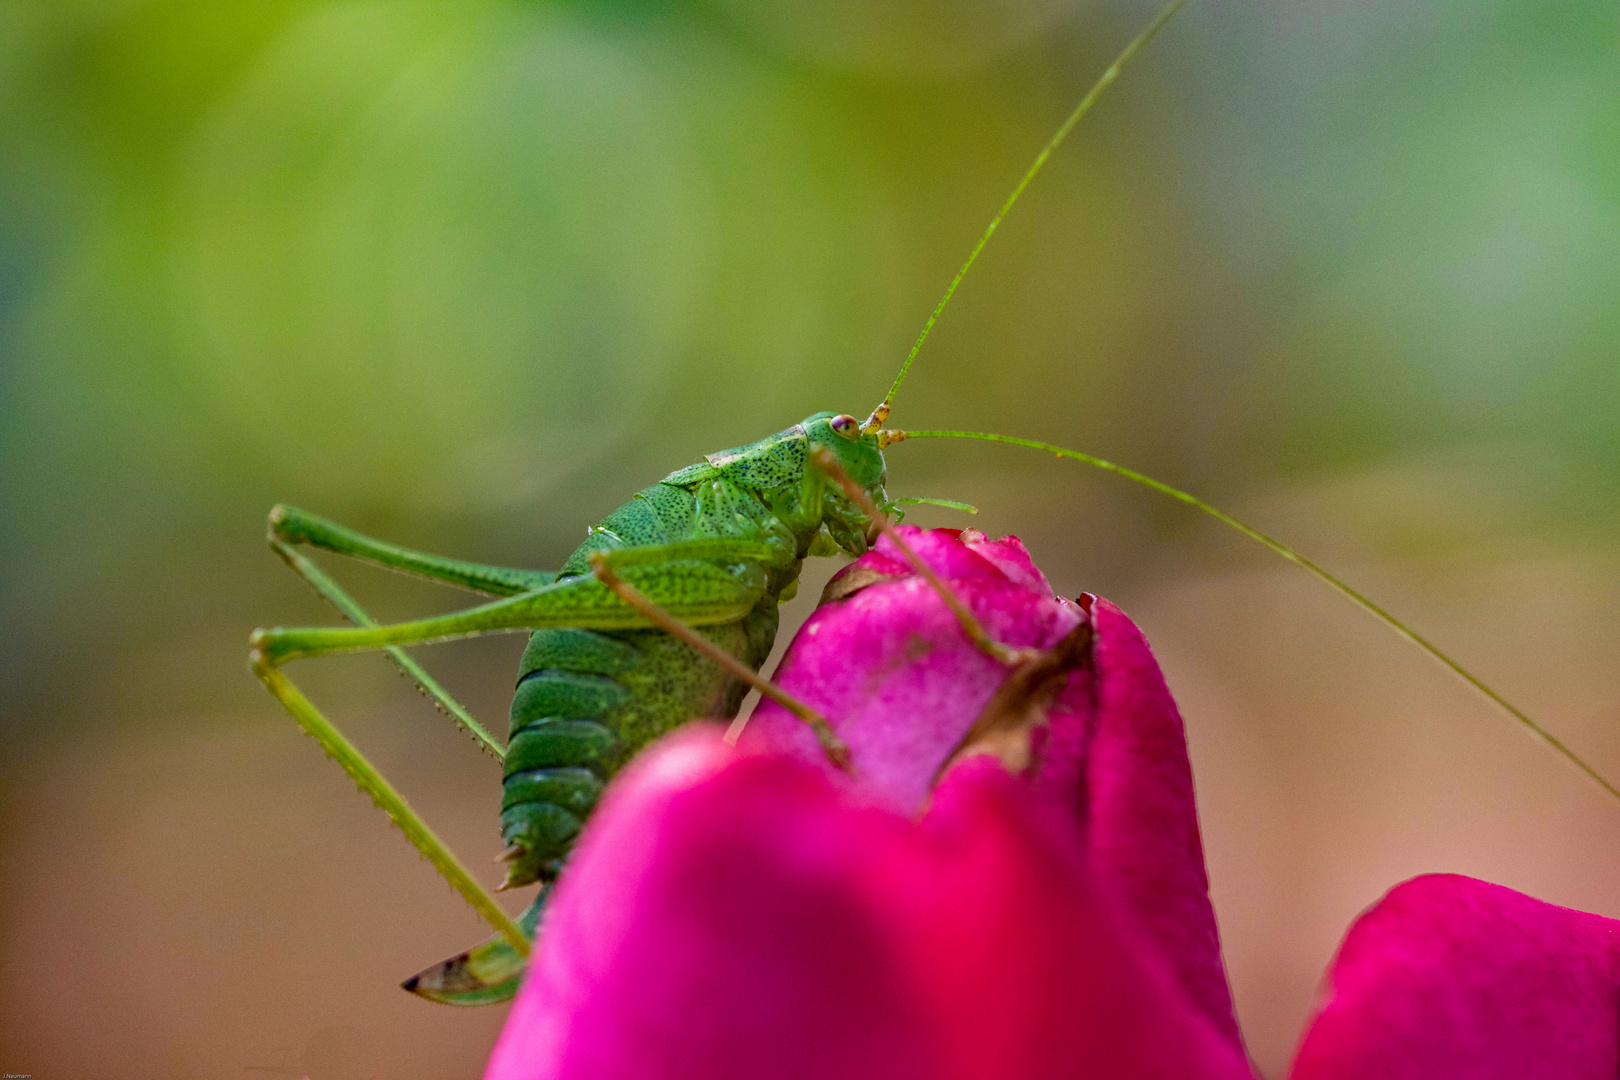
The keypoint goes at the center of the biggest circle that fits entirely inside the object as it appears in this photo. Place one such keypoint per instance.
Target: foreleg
(605, 565)
(824, 461)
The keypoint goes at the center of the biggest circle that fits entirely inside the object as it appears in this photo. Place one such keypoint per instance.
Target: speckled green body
(587, 699)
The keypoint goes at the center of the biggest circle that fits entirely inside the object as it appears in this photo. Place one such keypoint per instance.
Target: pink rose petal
(890, 667)
(731, 914)
(1449, 978)
(900, 682)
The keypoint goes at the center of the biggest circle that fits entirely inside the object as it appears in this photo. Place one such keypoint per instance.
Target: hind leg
(290, 525)
(391, 802)
(334, 594)
(696, 587)
(701, 591)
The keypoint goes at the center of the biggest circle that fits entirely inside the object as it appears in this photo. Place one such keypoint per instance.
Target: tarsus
(881, 413)
(888, 438)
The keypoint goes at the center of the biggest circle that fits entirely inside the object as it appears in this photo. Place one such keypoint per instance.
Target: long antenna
(889, 438)
(881, 413)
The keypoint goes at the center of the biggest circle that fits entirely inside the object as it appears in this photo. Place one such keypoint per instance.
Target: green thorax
(757, 491)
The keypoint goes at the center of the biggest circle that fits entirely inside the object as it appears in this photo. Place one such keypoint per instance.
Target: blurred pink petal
(1452, 978)
(731, 914)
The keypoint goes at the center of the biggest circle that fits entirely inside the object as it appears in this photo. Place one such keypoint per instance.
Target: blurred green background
(464, 275)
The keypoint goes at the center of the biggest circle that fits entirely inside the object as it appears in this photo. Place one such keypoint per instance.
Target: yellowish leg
(837, 751)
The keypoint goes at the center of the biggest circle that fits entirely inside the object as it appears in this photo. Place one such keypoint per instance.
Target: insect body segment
(588, 699)
(585, 702)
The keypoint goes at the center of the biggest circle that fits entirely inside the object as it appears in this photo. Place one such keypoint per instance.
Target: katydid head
(856, 450)
(859, 457)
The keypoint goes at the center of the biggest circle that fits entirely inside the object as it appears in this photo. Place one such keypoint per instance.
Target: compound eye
(846, 425)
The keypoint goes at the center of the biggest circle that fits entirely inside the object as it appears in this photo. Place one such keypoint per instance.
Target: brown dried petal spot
(1008, 721)
(855, 577)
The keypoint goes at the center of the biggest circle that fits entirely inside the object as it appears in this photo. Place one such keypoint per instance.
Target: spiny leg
(694, 588)
(825, 460)
(390, 801)
(581, 601)
(602, 564)
(334, 594)
(700, 591)
(291, 525)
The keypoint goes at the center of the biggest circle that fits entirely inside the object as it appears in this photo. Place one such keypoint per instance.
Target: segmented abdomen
(586, 701)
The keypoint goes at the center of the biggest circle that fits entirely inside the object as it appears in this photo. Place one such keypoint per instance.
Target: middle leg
(693, 588)
(603, 565)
